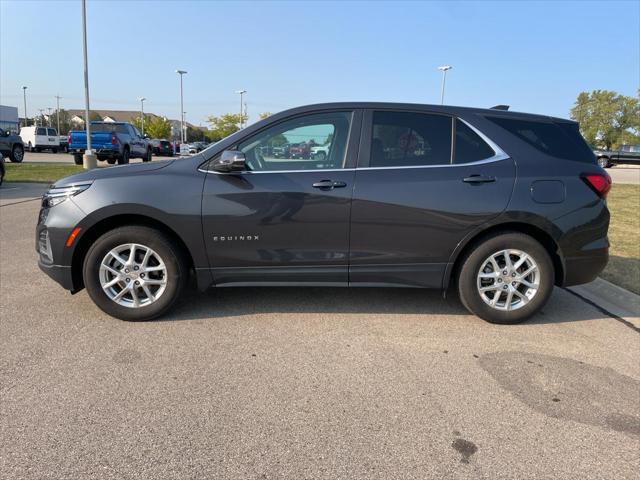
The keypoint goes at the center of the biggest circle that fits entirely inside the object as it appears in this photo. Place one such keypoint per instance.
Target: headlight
(58, 195)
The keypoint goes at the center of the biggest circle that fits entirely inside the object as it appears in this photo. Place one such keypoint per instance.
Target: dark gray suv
(501, 206)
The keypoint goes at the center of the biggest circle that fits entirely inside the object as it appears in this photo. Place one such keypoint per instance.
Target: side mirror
(230, 161)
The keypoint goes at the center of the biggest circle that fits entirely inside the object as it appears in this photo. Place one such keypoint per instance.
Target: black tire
(474, 260)
(17, 154)
(124, 158)
(147, 157)
(172, 257)
(111, 161)
(77, 158)
(31, 148)
(54, 150)
(604, 162)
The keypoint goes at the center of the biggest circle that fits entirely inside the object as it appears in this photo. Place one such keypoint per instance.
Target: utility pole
(49, 116)
(41, 110)
(58, 97)
(241, 92)
(88, 159)
(142, 99)
(181, 73)
(24, 95)
(444, 69)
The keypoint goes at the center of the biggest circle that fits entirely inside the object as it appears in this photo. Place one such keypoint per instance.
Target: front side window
(51, 132)
(410, 139)
(469, 147)
(310, 142)
(41, 131)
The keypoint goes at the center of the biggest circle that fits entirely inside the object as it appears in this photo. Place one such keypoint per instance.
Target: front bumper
(59, 273)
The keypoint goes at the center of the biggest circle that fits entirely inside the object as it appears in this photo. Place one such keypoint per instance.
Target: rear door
(52, 138)
(423, 182)
(41, 139)
(284, 220)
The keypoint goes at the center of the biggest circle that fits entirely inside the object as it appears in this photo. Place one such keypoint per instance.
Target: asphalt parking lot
(305, 383)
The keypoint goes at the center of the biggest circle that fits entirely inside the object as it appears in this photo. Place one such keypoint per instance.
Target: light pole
(241, 92)
(88, 159)
(181, 73)
(444, 69)
(58, 97)
(142, 99)
(41, 110)
(49, 116)
(24, 95)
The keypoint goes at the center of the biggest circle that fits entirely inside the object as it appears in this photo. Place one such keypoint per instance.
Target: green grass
(39, 173)
(623, 268)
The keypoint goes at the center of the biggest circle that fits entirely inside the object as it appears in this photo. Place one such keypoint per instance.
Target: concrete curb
(612, 298)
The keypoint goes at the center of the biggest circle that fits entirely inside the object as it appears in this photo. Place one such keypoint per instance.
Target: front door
(285, 219)
(418, 194)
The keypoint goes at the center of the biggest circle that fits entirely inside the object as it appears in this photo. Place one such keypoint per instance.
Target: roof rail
(500, 107)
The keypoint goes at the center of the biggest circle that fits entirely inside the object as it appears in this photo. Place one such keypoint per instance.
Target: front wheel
(17, 154)
(603, 162)
(134, 273)
(124, 158)
(506, 278)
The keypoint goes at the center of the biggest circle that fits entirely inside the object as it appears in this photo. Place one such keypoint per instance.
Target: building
(77, 116)
(9, 118)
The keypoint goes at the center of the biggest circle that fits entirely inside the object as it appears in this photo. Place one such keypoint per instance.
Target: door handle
(329, 184)
(479, 179)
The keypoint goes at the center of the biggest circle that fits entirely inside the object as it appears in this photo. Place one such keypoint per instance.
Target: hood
(111, 172)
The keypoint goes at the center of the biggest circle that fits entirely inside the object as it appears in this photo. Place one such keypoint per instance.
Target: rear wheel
(54, 150)
(147, 157)
(124, 158)
(134, 273)
(17, 154)
(111, 161)
(506, 278)
(603, 162)
(77, 159)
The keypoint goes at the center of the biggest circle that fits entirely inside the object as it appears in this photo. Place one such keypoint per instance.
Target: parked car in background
(197, 147)
(161, 147)
(280, 151)
(320, 152)
(37, 138)
(300, 150)
(419, 196)
(11, 146)
(111, 141)
(624, 154)
(64, 143)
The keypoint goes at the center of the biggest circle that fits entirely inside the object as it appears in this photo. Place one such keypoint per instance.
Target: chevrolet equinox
(500, 206)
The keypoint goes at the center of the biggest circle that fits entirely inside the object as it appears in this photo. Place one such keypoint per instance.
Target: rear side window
(410, 139)
(562, 140)
(469, 146)
(109, 127)
(51, 132)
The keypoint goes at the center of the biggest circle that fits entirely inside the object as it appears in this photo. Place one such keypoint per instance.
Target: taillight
(114, 139)
(599, 182)
(69, 139)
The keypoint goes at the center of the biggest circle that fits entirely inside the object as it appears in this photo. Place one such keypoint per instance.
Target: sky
(534, 56)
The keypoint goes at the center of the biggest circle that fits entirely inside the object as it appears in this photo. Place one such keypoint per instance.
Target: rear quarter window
(561, 139)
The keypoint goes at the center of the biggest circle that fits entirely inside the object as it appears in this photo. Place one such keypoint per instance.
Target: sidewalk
(613, 299)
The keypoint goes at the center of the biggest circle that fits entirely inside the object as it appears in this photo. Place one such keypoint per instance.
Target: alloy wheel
(508, 279)
(133, 275)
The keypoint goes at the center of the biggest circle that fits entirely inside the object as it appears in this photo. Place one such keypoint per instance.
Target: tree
(607, 118)
(154, 126)
(94, 116)
(264, 115)
(224, 125)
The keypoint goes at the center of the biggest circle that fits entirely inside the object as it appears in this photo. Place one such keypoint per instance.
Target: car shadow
(238, 302)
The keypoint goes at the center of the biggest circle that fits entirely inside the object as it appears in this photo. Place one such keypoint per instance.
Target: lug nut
(142, 275)
(513, 274)
(137, 282)
(504, 273)
(128, 279)
(499, 280)
(126, 270)
(513, 283)
(135, 268)
(505, 287)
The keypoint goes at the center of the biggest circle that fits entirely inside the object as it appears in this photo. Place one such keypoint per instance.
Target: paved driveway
(305, 383)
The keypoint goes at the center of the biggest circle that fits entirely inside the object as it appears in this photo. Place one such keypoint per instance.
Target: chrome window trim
(498, 156)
